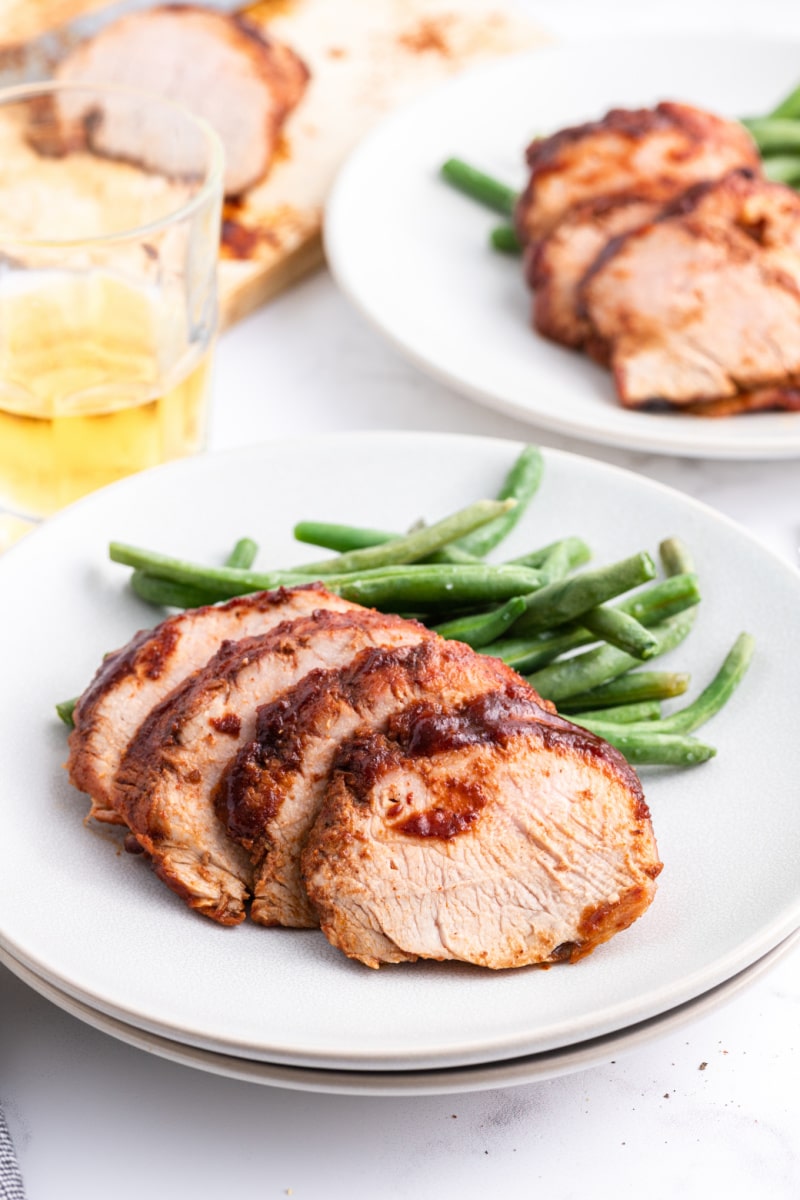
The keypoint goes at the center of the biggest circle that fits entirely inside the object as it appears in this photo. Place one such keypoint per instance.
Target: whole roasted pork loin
(352, 768)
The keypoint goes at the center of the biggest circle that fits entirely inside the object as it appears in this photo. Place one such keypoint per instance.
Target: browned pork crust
(271, 793)
(165, 783)
(496, 833)
(133, 680)
(654, 152)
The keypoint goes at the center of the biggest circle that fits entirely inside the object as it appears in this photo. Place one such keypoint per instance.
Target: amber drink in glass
(109, 230)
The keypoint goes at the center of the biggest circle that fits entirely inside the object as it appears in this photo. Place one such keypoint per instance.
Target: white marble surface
(711, 1110)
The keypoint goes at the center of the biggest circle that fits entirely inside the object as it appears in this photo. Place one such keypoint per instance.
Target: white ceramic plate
(413, 255)
(100, 926)
(510, 1073)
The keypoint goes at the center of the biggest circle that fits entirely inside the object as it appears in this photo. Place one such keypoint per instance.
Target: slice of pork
(220, 67)
(273, 790)
(497, 834)
(703, 304)
(133, 680)
(165, 783)
(654, 152)
(556, 265)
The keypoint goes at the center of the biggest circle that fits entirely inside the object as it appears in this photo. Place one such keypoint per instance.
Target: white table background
(95, 1119)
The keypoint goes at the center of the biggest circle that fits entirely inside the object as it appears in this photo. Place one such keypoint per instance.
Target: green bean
(451, 554)
(222, 582)
(165, 593)
(774, 135)
(579, 674)
(783, 168)
(479, 186)
(566, 599)
(716, 694)
(504, 238)
(340, 538)
(619, 629)
(789, 106)
(417, 545)
(630, 689)
(483, 628)
(556, 565)
(675, 557)
(570, 550)
(409, 588)
(648, 746)
(621, 714)
(65, 709)
(554, 561)
(420, 588)
(664, 599)
(520, 484)
(530, 654)
(650, 606)
(343, 538)
(243, 553)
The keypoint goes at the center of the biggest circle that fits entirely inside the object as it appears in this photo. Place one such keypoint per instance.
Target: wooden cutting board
(21, 20)
(365, 58)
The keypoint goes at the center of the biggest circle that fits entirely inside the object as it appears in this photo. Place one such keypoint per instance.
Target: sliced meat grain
(272, 791)
(220, 67)
(703, 304)
(555, 266)
(497, 834)
(133, 680)
(165, 783)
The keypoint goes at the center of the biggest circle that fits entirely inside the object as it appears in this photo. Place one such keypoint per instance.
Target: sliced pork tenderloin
(703, 304)
(555, 265)
(653, 152)
(271, 793)
(494, 833)
(133, 680)
(165, 783)
(220, 67)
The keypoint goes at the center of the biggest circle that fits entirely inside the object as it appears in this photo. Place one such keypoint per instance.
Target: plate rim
(514, 1072)
(771, 447)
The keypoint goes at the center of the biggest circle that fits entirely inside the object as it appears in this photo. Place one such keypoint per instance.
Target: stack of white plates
(407, 1082)
(93, 929)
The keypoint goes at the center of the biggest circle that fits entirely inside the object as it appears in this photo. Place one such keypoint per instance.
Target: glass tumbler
(110, 204)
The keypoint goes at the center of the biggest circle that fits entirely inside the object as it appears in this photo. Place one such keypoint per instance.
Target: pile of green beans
(580, 636)
(776, 134)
